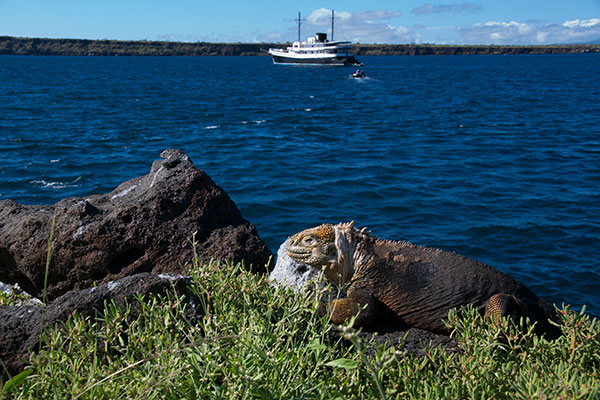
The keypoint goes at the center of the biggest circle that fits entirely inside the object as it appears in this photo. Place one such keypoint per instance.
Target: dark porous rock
(20, 325)
(144, 225)
(389, 332)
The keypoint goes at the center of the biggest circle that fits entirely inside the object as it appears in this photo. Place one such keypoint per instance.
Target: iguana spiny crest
(332, 247)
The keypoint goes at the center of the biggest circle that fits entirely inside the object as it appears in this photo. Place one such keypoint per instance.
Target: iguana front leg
(506, 305)
(359, 304)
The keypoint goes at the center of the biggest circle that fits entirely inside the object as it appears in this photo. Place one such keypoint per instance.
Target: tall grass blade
(48, 261)
(15, 381)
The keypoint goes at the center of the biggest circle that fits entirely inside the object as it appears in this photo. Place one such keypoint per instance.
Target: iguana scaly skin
(418, 284)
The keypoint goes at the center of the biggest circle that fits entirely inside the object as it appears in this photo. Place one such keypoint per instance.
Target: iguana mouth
(298, 254)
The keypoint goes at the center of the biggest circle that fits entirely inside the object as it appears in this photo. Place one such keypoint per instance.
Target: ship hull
(332, 61)
(309, 61)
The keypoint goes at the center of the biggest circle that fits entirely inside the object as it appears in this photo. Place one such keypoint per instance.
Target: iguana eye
(308, 240)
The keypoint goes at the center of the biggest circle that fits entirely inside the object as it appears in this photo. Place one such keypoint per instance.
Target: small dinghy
(359, 73)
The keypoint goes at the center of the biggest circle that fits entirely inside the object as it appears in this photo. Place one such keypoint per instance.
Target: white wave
(211, 127)
(54, 185)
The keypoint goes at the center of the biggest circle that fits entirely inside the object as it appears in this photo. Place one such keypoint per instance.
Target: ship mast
(332, 25)
(298, 20)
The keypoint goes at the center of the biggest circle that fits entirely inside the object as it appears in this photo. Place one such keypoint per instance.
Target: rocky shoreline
(135, 240)
(147, 224)
(82, 47)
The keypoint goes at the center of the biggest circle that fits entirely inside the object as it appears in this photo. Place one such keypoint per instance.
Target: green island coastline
(83, 47)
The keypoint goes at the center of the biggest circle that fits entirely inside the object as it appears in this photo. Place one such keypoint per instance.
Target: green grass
(259, 341)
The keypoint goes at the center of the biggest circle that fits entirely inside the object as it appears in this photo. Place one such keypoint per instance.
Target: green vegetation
(454, 50)
(12, 297)
(260, 341)
(80, 47)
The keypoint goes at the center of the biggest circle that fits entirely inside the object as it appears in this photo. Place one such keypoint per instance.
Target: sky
(521, 22)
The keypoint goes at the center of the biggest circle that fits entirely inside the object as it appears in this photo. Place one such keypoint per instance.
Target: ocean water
(494, 157)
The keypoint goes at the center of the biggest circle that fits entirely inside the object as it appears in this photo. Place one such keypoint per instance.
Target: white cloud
(429, 8)
(376, 15)
(541, 37)
(381, 26)
(323, 16)
(372, 26)
(531, 32)
(586, 23)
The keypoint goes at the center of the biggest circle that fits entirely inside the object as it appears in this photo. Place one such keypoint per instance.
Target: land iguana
(420, 285)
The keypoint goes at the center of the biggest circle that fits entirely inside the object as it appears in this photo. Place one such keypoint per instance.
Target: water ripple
(470, 154)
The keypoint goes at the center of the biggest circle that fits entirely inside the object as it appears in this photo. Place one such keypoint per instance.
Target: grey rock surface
(291, 273)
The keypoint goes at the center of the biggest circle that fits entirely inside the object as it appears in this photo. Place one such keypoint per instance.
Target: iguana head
(326, 246)
(314, 246)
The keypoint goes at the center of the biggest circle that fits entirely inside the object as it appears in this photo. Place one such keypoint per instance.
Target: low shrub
(256, 340)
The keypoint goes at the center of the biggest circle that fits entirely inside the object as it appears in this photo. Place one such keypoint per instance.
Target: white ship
(316, 50)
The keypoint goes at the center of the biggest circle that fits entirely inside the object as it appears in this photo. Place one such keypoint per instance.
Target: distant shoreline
(83, 47)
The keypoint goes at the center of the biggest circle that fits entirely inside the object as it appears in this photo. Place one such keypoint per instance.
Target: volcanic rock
(144, 225)
(20, 326)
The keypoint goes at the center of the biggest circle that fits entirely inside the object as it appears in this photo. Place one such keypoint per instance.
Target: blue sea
(494, 157)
